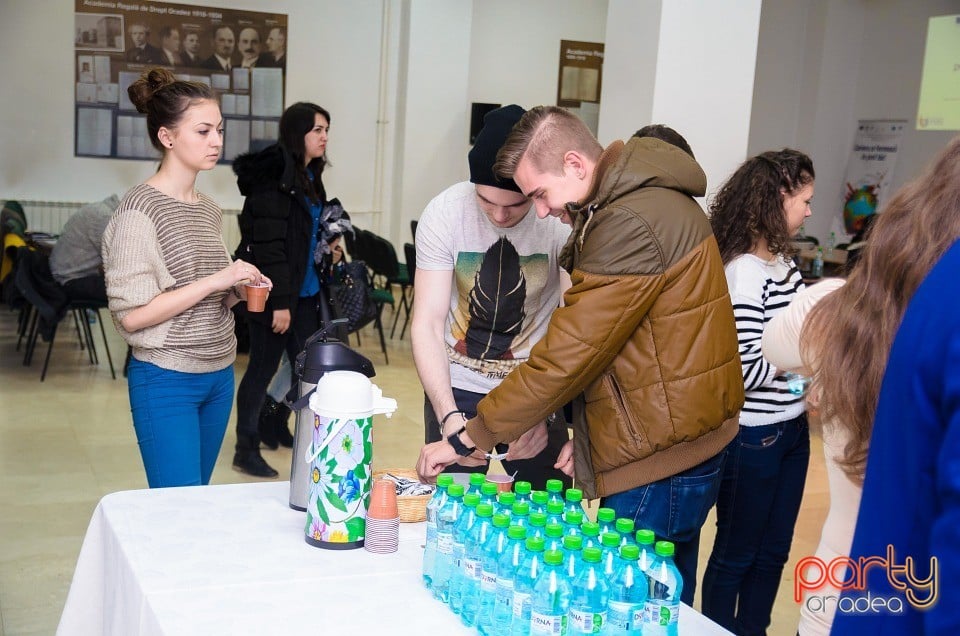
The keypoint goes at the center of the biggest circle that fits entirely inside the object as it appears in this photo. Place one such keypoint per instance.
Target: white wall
(823, 65)
(37, 111)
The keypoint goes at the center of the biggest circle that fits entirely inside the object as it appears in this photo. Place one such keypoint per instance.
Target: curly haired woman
(753, 217)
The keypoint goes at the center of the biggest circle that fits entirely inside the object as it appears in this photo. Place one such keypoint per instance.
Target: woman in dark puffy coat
(287, 229)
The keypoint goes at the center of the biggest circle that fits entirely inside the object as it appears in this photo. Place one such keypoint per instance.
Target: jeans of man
(675, 509)
(757, 509)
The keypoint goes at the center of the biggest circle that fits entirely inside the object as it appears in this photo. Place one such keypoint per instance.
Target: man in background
(249, 47)
(190, 56)
(276, 54)
(645, 344)
(142, 52)
(75, 262)
(170, 43)
(487, 281)
(223, 45)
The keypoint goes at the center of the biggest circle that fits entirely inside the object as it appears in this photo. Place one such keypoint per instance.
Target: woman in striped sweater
(753, 217)
(170, 285)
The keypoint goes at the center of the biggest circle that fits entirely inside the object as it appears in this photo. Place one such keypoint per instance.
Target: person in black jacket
(287, 227)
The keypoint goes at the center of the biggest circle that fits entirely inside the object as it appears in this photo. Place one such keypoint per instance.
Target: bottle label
(624, 617)
(661, 613)
(553, 624)
(521, 601)
(585, 622)
(471, 569)
(444, 543)
(488, 581)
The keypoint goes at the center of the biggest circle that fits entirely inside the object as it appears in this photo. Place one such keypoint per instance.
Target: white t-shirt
(506, 283)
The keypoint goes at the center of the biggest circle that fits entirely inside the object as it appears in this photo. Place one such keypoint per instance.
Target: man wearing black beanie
(487, 281)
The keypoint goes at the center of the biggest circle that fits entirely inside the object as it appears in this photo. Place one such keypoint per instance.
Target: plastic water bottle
(573, 500)
(645, 542)
(553, 537)
(591, 534)
(628, 595)
(505, 501)
(625, 528)
(447, 517)
(493, 549)
(571, 522)
(606, 517)
(663, 602)
(523, 583)
(554, 490)
(536, 525)
(520, 513)
(523, 489)
(474, 546)
(468, 517)
(572, 546)
(507, 566)
(476, 482)
(538, 501)
(488, 493)
(591, 594)
(609, 552)
(817, 271)
(554, 512)
(831, 242)
(550, 604)
(430, 547)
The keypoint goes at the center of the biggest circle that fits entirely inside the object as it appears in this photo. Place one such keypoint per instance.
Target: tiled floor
(68, 441)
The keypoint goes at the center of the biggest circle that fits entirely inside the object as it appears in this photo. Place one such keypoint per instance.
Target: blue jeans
(675, 509)
(180, 419)
(756, 512)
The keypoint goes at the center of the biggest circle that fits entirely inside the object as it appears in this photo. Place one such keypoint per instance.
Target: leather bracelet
(447, 416)
(459, 447)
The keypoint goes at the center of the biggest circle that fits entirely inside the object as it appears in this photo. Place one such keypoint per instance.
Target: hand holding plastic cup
(257, 296)
(796, 383)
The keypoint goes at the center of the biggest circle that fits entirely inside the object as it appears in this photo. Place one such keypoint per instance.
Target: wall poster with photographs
(581, 77)
(240, 54)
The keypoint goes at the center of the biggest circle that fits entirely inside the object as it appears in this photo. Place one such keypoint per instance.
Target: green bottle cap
(645, 537)
(506, 499)
(471, 499)
(610, 539)
(444, 480)
(488, 489)
(625, 526)
(553, 557)
(573, 542)
(538, 519)
(534, 544)
(573, 517)
(574, 495)
(553, 530)
(591, 554)
(477, 479)
(501, 520)
(522, 487)
(538, 497)
(555, 508)
(664, 549)
(630, 552)
(554, 485)
(517, 532)
(455, 490)
(520, 509)
(590, 528)
(485, 509)
(606, 515)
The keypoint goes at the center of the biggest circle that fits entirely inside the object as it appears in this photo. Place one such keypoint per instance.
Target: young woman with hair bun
(171, 284)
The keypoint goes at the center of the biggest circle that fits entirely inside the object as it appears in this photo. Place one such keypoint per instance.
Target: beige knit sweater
(155, 243)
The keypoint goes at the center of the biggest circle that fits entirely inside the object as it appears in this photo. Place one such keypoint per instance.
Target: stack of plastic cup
(383, 519)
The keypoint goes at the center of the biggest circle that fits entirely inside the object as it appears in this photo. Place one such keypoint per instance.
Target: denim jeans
(537, 470)
(180, 419)
(756, 512)
(675, 509)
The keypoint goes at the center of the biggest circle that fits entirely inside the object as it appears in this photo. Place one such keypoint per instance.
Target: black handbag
(351, 295)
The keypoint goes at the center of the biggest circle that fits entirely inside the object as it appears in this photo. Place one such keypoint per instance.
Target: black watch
(458, 446)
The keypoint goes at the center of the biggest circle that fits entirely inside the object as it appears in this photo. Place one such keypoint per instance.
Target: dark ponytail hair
(296, 122)
(164, 99)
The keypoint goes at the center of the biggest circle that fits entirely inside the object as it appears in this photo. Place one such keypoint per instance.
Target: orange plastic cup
(257, 296)
(504, 482)
(383, 500)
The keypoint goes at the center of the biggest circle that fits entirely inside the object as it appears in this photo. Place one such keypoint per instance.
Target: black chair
(410, 254)
(383, 269)
(413, 230)
(49, 304)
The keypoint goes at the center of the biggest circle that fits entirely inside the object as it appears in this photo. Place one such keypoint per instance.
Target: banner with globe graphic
(870, 169)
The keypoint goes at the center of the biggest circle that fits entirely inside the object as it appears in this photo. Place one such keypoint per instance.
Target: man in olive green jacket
(645, 344)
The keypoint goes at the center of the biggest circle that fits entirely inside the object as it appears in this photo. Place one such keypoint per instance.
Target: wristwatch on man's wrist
(459, 447)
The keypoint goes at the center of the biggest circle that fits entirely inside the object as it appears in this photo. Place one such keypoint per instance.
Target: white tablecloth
(232, 560)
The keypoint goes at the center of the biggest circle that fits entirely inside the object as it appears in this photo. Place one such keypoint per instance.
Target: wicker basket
(412, 508)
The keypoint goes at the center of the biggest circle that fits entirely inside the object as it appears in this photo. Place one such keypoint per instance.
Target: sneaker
(251, 463)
